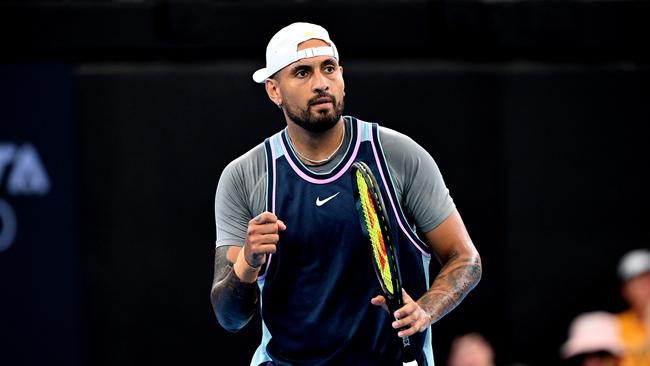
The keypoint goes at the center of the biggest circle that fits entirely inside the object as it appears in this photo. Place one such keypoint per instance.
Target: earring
(279, 105)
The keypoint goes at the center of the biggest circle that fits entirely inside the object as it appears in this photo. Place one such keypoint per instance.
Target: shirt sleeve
(240, 196)
(419, 185)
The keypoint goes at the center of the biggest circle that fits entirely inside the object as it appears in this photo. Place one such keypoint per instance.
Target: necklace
(318, 162)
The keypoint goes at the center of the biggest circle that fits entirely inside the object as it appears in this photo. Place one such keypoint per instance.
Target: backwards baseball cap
(282, 49)
(634, 263)
(593, 332)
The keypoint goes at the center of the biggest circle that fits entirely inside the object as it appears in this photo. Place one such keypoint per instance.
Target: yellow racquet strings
(374, 232)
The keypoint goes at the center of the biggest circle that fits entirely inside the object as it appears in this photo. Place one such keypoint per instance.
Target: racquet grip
(394, 304)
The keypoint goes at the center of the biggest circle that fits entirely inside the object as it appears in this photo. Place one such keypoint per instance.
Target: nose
(320, 82)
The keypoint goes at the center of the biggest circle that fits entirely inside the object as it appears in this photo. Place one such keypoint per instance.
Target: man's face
(312, 90)
(636, 292)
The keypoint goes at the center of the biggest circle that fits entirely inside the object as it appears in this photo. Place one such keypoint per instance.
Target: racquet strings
(371, 215)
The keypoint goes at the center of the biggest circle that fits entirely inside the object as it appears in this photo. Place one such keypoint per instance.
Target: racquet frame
(394, 299)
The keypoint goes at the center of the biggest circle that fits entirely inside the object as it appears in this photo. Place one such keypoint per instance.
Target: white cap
(633, 264)
(282, 49)
(593, 332)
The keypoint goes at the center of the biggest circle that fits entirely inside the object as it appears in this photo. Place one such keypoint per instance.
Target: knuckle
(422, 326)
(268, 216)
(412, 331)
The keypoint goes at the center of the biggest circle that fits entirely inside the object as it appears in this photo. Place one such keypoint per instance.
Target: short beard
(323, 121)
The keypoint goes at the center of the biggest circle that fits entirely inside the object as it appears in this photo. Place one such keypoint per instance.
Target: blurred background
(117, 117)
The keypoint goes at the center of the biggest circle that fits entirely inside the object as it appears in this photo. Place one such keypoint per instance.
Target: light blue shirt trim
(428, 348)
(275, 145)
(365, 131)
(260, 355)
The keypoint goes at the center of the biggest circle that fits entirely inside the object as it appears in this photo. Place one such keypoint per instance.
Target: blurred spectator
(471, 350)
(634, 324)
(593, 341)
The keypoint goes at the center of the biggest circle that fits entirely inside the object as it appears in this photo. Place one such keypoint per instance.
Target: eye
(301, 73)
(330, 69)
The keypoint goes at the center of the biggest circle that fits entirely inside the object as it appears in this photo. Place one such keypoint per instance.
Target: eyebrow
(329, 61)
(300, 68)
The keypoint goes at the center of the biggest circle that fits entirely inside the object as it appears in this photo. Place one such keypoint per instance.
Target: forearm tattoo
(234, 302)
(455, 280)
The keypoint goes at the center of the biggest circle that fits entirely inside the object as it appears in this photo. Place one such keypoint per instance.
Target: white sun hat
(634, 263)
(593, 332)
(282, 49)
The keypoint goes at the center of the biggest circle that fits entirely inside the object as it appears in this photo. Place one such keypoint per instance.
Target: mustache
(322, 95)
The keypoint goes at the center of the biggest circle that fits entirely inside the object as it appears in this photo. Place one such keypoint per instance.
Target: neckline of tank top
(309, 163)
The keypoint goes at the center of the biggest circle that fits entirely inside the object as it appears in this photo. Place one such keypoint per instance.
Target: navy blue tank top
(316, 289)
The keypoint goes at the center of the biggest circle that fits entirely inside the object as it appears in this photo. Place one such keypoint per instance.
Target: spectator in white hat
(634, 323)
(593, 341)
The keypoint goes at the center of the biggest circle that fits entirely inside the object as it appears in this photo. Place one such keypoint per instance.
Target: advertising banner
(39, 270)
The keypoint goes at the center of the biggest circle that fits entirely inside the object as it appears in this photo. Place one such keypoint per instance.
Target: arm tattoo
(234, 302)
(455, 280)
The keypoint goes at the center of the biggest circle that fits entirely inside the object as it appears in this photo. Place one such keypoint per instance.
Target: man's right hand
(261, 239)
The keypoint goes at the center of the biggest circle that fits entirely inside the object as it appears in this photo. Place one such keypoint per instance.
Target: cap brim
(260, 75)
(578, 347)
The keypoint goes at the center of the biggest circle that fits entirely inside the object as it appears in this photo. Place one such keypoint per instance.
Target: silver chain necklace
(318, 162)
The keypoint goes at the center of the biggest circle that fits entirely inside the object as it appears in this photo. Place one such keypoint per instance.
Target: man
(634, 324)
(289, 242)
(593, 341)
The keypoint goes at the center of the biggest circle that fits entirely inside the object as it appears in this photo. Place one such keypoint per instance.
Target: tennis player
(289, 242)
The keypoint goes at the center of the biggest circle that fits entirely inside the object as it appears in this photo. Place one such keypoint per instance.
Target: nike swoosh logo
(320, 203)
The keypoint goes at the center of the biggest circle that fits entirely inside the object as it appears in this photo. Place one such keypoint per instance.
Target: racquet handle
(393, 304)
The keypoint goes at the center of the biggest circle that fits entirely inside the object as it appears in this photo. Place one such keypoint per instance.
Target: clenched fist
(261, 238)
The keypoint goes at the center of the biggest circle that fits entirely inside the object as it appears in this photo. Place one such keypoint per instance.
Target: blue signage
(39, 270)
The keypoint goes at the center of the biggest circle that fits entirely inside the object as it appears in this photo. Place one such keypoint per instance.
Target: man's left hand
(410, 316)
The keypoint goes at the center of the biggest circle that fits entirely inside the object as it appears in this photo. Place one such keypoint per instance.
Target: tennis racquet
(376, 229)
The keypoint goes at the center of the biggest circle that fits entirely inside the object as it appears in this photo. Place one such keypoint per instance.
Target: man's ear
(273, 91)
